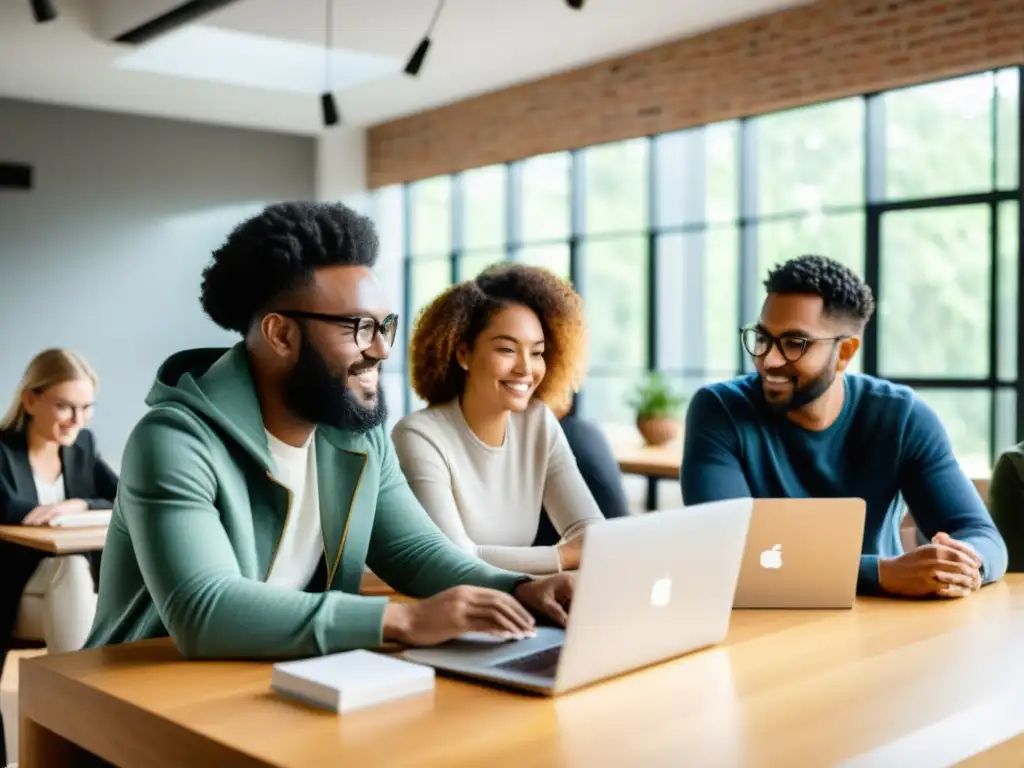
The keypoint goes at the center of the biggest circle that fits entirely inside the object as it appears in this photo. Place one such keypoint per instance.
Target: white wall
(341, 167)
(341, 176)
(105, 255)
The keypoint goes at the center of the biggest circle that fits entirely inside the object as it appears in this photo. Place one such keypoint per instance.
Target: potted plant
(658, 406)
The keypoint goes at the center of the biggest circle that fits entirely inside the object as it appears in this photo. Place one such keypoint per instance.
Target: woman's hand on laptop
(551, 596)
(944, 568)
(455, 611)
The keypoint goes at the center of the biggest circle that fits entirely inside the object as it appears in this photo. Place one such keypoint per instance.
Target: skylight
(238, 58)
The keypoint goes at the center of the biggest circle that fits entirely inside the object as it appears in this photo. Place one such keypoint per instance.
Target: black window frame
(873, 204)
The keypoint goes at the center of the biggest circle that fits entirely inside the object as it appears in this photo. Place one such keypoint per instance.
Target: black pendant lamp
(43, 10)
(327, 105)
(416, 60)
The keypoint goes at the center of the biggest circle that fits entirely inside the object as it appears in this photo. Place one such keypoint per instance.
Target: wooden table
(889, 683)
(662, 462)
(56, 541)
(372, 585)
(656, 463)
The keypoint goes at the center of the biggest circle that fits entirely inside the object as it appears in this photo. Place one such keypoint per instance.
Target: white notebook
(82, 519)
(343, 682)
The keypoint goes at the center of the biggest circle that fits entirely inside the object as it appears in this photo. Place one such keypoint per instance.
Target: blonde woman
(49, 467)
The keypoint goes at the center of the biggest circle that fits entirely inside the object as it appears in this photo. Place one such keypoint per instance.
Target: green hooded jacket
(198, 519)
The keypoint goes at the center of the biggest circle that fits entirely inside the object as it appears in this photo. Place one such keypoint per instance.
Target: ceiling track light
(416, 60)
(43, 10)
(328, 107)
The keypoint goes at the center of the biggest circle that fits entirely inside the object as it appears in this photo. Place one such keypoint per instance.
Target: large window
(668, 238)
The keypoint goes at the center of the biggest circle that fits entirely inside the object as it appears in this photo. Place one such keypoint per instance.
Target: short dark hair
(276, 252)
(842, 291)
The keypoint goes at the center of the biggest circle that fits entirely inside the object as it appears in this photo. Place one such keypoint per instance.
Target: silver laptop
(649, 588)
(802, 553)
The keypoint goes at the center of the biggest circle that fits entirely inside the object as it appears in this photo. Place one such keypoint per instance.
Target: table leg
(39, 747)
(652, 494)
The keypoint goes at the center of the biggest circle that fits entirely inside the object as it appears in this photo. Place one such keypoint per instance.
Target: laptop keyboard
(541, 663)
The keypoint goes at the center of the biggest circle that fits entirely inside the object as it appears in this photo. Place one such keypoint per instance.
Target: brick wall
(827, 50)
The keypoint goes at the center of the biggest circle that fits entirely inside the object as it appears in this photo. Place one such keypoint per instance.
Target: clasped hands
(945, 567)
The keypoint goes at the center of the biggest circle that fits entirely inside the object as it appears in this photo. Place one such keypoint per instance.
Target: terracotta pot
(659, 430)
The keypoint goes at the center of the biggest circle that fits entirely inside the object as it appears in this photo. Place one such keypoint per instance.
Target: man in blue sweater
(803, 427)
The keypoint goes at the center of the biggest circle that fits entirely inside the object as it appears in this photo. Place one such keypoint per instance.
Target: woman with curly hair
(492, 357)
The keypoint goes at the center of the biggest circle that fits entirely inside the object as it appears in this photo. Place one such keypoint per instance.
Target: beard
(314, 393)
(799, 396)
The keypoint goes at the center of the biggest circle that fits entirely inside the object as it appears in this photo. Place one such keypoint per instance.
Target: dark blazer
(86, 476)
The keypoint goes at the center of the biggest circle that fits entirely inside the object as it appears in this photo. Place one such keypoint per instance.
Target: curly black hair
(842, 291)
(276, 252)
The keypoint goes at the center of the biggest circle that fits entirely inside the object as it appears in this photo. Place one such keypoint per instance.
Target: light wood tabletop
(635, 457)
(57, 541)
(373, 585)
(888, 683)
(662, 461)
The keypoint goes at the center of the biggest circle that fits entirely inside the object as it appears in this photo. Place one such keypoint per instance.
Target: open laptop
(802, 553)
(649, 588)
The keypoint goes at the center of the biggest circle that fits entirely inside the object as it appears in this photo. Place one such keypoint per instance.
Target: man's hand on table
(550, 597)
(945, 567)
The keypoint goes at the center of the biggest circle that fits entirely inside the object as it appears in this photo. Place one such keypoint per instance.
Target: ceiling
(260, 63)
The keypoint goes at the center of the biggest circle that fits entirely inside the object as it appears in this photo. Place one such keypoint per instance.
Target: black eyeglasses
(364, 329)
(71, 412)
(758, 343)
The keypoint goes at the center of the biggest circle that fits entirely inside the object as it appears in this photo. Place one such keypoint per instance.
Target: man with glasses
(261, 482)
(802, 426)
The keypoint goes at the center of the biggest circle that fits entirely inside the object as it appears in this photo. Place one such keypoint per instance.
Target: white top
(299, 550)
(488, 499)
(49, 493)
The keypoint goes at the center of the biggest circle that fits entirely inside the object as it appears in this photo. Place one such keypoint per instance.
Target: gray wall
(105, 254)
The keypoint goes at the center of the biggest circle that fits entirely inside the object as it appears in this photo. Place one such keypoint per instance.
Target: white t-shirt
(301, 541)
(49, 493)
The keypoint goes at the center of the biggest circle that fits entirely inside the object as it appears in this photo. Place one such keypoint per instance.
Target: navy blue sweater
(886, 447)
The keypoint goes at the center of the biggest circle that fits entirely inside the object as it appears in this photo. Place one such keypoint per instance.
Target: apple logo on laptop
(772, 558)
(661, 592)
